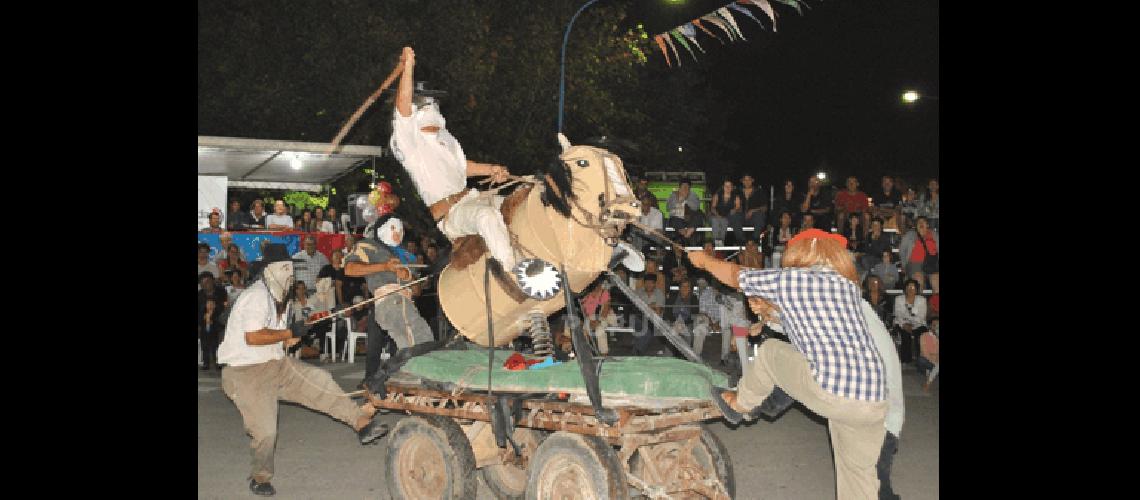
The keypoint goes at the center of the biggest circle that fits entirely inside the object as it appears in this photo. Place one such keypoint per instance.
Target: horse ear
(562, 140)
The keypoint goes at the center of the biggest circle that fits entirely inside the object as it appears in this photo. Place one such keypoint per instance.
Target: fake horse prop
(570, 222)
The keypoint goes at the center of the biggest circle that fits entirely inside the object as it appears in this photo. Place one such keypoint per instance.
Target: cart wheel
(430, 457)
(508, 481)
(662, 464)
(573, 466)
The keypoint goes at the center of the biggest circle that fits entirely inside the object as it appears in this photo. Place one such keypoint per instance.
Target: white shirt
(327, 227)
(654, 219)
(437, 167)
(896, 402)
(915, 315)
(281, 220)
(253, 311)
(307, 271)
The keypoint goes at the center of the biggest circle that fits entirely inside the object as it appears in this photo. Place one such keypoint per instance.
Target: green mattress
(634, 379)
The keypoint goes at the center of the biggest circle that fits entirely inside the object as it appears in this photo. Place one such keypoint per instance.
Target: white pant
(480, 215)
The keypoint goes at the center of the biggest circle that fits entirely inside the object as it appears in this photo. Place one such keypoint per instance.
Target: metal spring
(540, 333)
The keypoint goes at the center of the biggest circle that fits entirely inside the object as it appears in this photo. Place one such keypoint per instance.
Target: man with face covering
(259, 374)
(436, 163)
(380, 260)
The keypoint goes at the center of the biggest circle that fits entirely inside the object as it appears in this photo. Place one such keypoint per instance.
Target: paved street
(318, 457)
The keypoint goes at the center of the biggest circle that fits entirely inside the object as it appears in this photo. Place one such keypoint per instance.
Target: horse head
(594, 181)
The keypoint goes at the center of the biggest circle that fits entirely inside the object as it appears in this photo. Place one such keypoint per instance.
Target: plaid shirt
(822, 317)
(307, 271)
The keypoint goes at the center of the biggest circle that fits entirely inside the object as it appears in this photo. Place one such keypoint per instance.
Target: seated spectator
(684, 305)
(927, 362)
(908, 207)
(236, 285)
(412, 247)
(807, 220)
(313, 261)
(235, 218)
(642, 326)
(307, 220)
(320, 225)
(708, 318)
(596, 309)
(886, 203)
(333, 220)
(279, 221)
(887, 270)
(733, 323)
(256, 216)
(910, 320)
(876, 242)
(779, 237)
(726, 209)
(754, 201)
(928, 203)
(215, 226)
(226, 239)
(788, 201)
(650, 216)
(337, 263)
(684, 212)
(233, 262)
(818, 204)
(204, 262)
(919, 251)
(856, 234)
(875, 294)
(751, 256)
(212, 302)
(848, 202)
(642, 189)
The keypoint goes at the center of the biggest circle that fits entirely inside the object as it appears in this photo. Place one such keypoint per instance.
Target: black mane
(557, 173)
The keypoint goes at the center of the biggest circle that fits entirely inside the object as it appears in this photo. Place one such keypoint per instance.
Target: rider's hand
(499, 173)
(408, 57)
(403, 273)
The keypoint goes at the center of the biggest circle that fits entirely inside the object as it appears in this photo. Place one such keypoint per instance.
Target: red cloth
(517, 362)
(739, 331)
(848, 202)
(918, 253)
(934, 302)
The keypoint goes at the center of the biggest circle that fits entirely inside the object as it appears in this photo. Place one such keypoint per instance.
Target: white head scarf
(278, 278)
(385, 231)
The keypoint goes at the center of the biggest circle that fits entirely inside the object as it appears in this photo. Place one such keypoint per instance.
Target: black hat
(276, 252)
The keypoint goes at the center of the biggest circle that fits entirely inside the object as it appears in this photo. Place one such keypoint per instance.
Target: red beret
(816, 233)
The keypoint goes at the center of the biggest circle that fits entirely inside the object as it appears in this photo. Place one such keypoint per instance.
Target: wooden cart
(565, 451)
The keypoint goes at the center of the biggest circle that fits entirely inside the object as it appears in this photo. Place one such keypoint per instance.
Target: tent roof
(258, 163)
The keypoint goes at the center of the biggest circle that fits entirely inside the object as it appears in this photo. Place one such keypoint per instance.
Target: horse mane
(560, 179)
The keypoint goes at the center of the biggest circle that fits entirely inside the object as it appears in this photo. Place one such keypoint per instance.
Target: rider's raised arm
(407, 81)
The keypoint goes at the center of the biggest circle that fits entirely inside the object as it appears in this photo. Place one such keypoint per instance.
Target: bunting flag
(691, 33)
(767, 8)
(681, 39)
(723, 19)
(697, 23)
(723, 12)
(740, 8)
(661, 43)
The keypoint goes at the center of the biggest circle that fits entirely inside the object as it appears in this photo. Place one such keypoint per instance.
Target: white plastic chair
(329, 343)
(350, 351)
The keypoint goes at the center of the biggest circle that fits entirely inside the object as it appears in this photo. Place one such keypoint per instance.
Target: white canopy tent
(268, 164)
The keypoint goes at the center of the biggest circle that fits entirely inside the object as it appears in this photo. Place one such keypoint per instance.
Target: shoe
(373, 431)
(263, 489)
(730, 415)
(775, 404)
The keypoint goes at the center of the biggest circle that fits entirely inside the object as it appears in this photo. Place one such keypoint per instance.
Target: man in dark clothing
(235, 218)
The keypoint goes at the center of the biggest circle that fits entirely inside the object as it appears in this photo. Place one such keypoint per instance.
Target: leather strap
(440, 208)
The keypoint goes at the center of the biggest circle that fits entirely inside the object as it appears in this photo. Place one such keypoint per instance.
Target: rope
(367, 103)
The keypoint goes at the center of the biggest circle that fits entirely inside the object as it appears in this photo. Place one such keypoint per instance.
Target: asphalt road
(318, 457)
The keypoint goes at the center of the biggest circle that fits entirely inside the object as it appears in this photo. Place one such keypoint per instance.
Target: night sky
(822, 92)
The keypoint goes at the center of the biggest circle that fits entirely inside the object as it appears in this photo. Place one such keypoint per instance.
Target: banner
(250, 243)
(211, 197)
(723, 19)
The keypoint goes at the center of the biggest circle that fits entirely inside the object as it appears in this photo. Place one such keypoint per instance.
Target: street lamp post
(562, 82)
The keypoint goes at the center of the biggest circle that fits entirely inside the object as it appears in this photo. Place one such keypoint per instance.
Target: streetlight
(680, 149)
(821, 176)
(912, 96)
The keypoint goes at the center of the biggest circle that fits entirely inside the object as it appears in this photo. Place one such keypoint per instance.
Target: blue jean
(643, 334)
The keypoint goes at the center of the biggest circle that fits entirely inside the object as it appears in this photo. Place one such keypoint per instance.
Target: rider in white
(436, 163)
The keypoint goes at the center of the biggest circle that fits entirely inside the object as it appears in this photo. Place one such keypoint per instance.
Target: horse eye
(583, 163)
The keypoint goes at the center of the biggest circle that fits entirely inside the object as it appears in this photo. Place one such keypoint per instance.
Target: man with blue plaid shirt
(832, 364)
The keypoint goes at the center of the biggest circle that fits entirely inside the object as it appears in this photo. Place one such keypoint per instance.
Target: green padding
(620, 376)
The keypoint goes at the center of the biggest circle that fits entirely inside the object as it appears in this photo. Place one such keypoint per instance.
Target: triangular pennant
(680, 38)
(719, 23)
(676, 55)
(697, 23)
(691, 33)
(661, 43)
(792, 3)
(767, 8)
(723, 11)
(741, 8)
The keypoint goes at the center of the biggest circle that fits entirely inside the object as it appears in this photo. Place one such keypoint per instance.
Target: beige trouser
(255, 390)
(856, 427)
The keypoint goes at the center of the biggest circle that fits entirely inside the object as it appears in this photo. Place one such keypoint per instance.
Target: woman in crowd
(856, 239)
(928, 355)
(909, 206)
(727, 209)
(910, 320)
(596, 308)
(788, 201)
(684, 212)
(928, 203)
(876, 295)
(919, 251)
(234, 262)
(779, 237)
